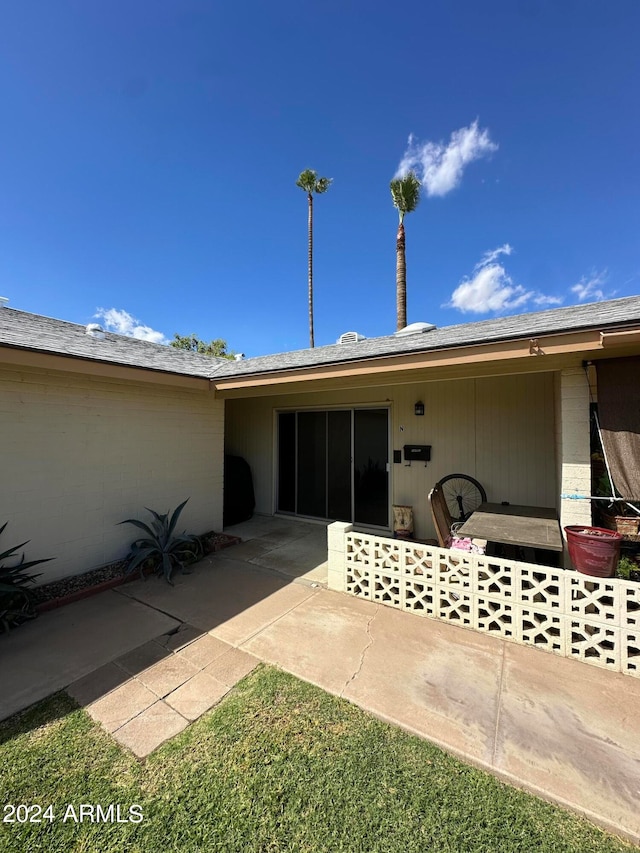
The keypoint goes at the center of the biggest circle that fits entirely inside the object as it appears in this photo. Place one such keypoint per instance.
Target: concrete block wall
(81, 453)
(562, 612)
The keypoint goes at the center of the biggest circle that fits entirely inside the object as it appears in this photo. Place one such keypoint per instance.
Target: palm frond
(311, 183)
(405, 193)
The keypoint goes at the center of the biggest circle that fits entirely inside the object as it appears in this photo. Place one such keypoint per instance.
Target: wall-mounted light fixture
(419, 408)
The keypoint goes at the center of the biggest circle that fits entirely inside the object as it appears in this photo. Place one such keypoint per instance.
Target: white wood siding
(500, 430)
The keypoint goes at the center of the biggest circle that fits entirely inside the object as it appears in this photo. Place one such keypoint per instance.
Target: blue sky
(149, 155)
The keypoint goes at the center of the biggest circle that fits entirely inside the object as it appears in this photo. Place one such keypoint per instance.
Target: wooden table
(526, 526)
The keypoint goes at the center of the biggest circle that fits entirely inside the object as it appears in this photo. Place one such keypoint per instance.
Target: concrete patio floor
(159, 657)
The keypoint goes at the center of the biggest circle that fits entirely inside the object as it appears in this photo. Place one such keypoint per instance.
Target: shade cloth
(619, 415)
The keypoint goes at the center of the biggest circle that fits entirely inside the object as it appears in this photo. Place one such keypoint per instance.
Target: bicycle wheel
(463, 495)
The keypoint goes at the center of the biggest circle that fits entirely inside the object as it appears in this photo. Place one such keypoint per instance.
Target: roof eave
(583, 342)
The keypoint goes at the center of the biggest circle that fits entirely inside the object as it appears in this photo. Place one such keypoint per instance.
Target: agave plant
(16, 599)
(160, 548)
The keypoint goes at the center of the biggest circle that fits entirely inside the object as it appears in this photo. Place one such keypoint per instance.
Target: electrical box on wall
(417, 452)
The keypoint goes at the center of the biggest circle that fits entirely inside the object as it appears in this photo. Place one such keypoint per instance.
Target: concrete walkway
(161, 656)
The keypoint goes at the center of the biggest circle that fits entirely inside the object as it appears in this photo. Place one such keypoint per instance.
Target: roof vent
(415, 329)
(350, 338)
(239, 356)
(3, 301)
(94, 330)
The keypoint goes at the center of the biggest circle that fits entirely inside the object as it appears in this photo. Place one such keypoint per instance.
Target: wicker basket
(625, 524)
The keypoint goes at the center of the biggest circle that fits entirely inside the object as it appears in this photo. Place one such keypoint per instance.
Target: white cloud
(122, 323)
(491, 288)
(439, 166)
(541, 299)
(590, 287)
(490, 257)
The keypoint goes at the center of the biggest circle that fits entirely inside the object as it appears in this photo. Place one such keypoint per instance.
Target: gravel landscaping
(113, 571)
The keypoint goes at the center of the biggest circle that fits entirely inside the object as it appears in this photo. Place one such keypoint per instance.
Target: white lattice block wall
(541, 587)
(594, 643)
(454, 569)
(385, 588)
(496, 617)
(373, 552)
(630, 605)
(496, 578)
(456, 606)
(358, 581)
(419, 561)
(542, 629)
(593, 620)
(630, 652)
(420, 597)
(595, 599)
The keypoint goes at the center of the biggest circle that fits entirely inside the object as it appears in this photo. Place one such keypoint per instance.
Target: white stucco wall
(80, 453)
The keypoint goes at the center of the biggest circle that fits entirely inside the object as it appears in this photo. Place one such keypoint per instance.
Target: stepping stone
(152, 727)
(232, 666)
(168, 674)
(122, 704)
(204, 651)
(197, 696)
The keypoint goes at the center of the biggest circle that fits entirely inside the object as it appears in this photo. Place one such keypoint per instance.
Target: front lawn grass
(279, 765)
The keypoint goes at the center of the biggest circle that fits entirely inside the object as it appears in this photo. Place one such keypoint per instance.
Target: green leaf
(311, 183)
(139, 524)
(11, 551)
(174, 518)
(405, 193)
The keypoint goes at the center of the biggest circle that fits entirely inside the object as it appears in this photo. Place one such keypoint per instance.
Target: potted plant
(594, 550)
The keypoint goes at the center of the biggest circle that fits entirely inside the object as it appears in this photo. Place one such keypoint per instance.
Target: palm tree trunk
(401, 279)
(311, 341)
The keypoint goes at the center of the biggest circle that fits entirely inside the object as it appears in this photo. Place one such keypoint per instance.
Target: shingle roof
(615, 312)
(34, 332)
(44, 334)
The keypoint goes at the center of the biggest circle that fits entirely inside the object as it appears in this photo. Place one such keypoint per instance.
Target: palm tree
(311, 183)
(405, 193)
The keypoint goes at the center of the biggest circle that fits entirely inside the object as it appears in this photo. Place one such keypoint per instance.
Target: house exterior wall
(574, 447)
(499, 430)
(79, 454)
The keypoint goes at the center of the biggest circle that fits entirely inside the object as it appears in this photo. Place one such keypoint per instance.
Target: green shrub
(16, 599)
(160, 548)
(628, 570)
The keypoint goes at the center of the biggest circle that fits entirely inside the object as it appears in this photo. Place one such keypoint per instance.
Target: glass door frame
(345, 407)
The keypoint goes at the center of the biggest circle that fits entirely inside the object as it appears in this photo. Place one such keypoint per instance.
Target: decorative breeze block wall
(594, 620)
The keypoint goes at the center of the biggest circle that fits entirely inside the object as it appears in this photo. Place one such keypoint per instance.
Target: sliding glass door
(334, 464)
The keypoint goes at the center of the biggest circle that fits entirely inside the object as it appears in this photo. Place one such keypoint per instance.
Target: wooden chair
(441, 516)
(443, 521)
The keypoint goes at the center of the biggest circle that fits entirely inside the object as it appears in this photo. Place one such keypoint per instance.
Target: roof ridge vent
(95, 330)
(3, 301)
(414, 329)
(350, 338)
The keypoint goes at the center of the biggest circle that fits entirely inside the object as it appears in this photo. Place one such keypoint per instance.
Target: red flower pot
(594, 550)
